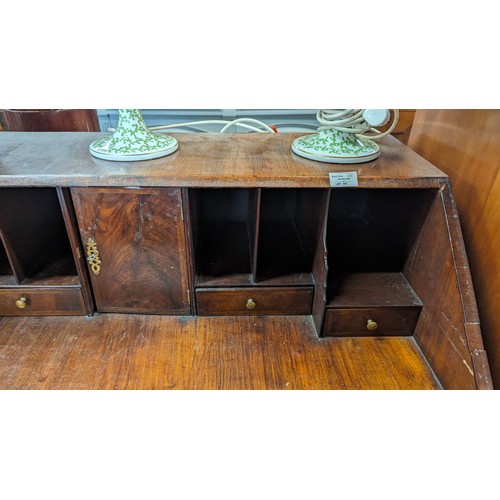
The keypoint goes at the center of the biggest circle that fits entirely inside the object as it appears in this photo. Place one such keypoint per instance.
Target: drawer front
(41, 302)
(254, 301)
(370, 321)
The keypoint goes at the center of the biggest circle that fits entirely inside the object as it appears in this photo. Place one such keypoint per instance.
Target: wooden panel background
(440, 331)
(54, 120)
(465, 145)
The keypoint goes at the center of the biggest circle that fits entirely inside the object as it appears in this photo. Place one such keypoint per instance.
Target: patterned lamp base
(132, 141)
(331, 146)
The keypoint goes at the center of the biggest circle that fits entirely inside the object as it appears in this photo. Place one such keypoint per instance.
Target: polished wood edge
(77, 249)
(130, 182)
(259, 152)
(189, 244)
(320, 270)
(256, 232)
(39, 287)
(184, 255)
(482, 369)
(482, 374)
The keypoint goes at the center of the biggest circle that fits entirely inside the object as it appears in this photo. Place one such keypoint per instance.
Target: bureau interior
(288, 231)
(252, 236)
(373, 231)
(34, 235)
(223, 231)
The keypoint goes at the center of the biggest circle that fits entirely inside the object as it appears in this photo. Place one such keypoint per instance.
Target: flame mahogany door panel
(140, 239)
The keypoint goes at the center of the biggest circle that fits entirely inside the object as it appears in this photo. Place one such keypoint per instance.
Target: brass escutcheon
(93, 256)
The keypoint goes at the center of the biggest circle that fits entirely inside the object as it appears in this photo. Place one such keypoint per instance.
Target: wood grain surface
(54, 120)
(233, 301)
(347, 322)
(140, 238)
(158, 352)
(203, 160)
(465, 145)
(118, 197)
(437, 271)
(79, 257)
(45, 301)
(373, 290)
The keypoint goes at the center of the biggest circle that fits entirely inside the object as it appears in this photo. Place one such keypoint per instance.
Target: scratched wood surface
(203, 160)
(166, 352)
(438, 272)
(464, 144)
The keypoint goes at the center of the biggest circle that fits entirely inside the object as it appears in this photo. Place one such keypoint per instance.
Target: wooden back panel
(54, 120)
(464, 144)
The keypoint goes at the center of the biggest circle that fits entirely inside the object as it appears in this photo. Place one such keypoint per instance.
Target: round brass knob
(371, 325)
(21, 303)
(251, 304)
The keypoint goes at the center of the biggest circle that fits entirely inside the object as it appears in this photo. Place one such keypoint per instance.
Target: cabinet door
(140, 240)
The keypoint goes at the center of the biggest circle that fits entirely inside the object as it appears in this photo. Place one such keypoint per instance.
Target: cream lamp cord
(239, 122)
(352, 122)
(343, 120)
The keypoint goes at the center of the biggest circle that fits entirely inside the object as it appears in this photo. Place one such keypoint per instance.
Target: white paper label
(344, 179)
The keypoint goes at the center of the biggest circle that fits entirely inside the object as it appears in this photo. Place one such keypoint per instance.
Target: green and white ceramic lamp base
(332, 146)
(133, 141)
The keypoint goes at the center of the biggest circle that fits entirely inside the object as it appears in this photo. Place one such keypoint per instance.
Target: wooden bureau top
(202, 160)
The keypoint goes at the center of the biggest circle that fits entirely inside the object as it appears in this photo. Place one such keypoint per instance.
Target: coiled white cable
(353, 122)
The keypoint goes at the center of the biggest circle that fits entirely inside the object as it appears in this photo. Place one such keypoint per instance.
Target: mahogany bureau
(235, 226)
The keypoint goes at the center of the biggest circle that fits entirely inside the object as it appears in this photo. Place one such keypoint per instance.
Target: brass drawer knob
(371, 325)
(251, 304)
(21, 303)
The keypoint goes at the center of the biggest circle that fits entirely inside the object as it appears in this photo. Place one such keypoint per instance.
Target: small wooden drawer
(370, 321)
(254, 301)
(28, 301)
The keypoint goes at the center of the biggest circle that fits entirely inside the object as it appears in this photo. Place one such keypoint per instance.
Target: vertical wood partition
(320, 266)
(254, 201)
(78, 253)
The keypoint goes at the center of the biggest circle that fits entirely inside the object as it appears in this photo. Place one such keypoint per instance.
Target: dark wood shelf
(58, 272)
(372, 290)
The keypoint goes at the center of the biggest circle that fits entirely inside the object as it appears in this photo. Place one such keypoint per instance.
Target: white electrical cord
(352, 121)
(239, 122)
(343, 120)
